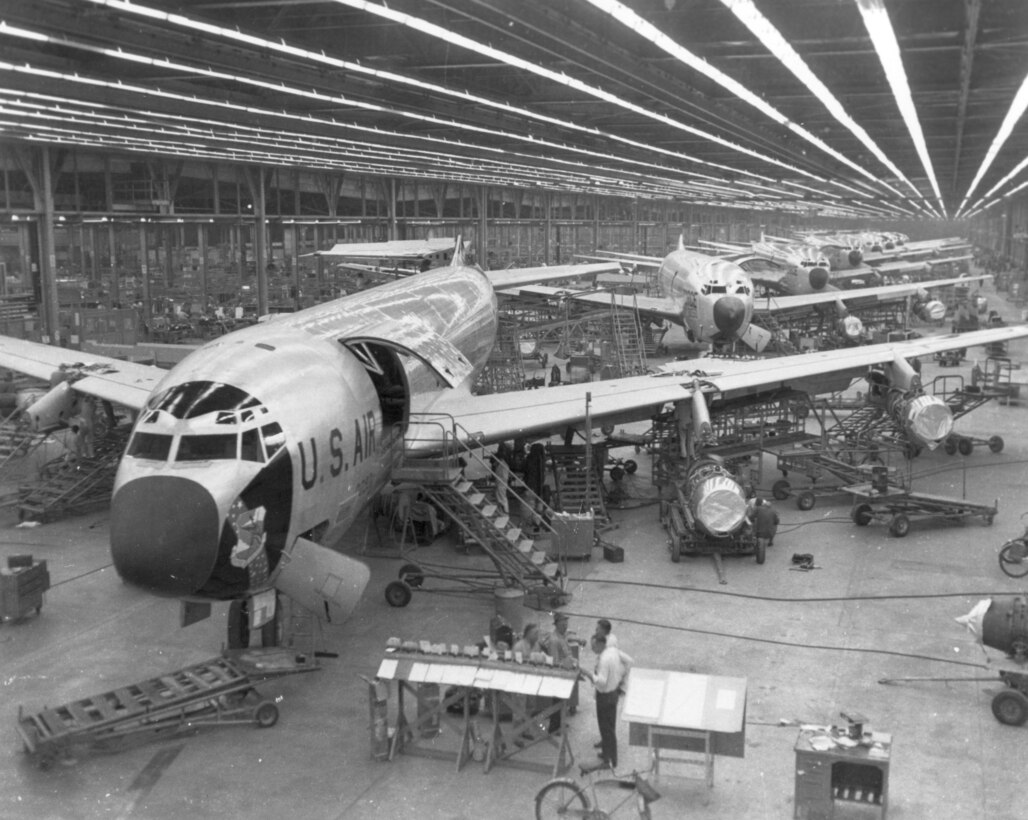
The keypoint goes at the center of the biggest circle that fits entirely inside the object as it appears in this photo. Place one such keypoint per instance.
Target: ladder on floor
(576, 480)
(629, 355)
(73, 487)
(518, 549)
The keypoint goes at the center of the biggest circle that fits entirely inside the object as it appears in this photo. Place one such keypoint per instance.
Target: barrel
(510, 605)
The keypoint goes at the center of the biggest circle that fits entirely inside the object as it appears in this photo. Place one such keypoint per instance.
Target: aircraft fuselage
(714, 297)
(282, 430)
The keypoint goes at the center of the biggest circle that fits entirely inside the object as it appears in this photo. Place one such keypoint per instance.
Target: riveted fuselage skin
(334, 445)
(715, 296)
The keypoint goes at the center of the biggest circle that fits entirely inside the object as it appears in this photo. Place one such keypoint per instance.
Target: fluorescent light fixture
(883, 37)
(1014, 114)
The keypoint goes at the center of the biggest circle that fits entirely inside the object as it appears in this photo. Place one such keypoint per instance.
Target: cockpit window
(206, 448)
(251, 449)
(193, 399)
(152, 446)
(274, 438)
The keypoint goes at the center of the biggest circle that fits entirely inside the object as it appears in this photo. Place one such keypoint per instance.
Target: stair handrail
(456, 441)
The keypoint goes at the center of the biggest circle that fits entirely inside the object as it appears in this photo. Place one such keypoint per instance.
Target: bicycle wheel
(1013, 558)
(561, 798)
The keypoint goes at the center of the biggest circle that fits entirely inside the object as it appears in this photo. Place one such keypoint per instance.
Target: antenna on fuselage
(458, 252)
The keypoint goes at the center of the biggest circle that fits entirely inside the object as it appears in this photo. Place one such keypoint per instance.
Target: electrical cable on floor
(771, 641)
(773, 599)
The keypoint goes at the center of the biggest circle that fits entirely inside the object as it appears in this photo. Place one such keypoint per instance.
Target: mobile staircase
(17, 440)
(69, 487)
(519, 551)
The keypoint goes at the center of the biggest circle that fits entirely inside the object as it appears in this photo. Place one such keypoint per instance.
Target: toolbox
(22, 584)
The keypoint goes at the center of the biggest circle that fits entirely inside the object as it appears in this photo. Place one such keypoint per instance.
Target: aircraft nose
(729, 313)
(164, 534)
(818, 278)
(855, 257)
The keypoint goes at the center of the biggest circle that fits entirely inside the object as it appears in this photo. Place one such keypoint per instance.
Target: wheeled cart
(210, 693)
(899, 506)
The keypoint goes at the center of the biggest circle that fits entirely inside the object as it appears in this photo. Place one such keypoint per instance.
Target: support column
(255, 180)
(547, 226)
(295, 263)
(144, 272)
(112, 251)
(201, 238)
(482, 240)
(48, 253)
(392, 210)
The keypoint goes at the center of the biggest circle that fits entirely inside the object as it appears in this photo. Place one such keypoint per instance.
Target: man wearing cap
(556, 645)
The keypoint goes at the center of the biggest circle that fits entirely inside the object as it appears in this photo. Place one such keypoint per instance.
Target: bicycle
(564, 797)
(1013, 555)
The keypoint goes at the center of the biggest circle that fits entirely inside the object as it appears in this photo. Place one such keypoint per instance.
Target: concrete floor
(809, 644)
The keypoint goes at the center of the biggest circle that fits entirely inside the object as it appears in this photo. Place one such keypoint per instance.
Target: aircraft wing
(395, 249)
(604, 298)
(881, 293)
(640, 258)
(512, 277)
(500, 416)
(125, 383)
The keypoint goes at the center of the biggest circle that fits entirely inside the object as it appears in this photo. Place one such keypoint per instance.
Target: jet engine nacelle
(716, 501)
(850, 328)
(58, 405)
(1001, 623)
(926, 419)
(930, 311)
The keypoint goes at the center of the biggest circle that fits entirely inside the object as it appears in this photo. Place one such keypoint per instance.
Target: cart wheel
(950, 446)
(631, 466)
(780, 489)
(900, 525)
(616, 473)
(45, 759)
(676, 549)
(862, 515)
(1010, 707)
(760, 551)
(965, 446)
(398, 593)
(806, 500)
(996, 444)
(266, 714)
(1013, 558)
(413, 575)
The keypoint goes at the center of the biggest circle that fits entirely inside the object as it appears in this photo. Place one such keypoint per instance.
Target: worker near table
(765, 522)
(526, 645)
(604, 628)
(607, 678)
(556, 645)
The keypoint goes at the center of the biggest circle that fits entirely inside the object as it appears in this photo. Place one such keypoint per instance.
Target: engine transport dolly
(211, 693)
(899, 506)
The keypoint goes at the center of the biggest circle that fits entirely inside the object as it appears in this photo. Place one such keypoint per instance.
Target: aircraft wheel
(862, 515)
(950, 446)
(780, 489)
(266, 714)
(900, 525)
(806, 500)
(761, 550)
(398, 593)
(965, 446)
(1010, 707)
(238, 625)
(996, 444)
(413, 575)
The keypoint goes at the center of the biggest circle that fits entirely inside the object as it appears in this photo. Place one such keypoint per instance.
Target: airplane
(250, 459)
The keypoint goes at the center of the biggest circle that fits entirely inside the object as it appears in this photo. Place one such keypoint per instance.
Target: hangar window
(206, 448)
(152, 446)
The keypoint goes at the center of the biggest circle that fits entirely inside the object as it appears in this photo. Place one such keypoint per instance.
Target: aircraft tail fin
(458, 252)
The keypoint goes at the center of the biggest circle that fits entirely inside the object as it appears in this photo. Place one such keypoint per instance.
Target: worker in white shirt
(611, 668)
(603, 627)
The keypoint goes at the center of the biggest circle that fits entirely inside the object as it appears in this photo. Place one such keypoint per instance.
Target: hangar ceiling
(791, 104)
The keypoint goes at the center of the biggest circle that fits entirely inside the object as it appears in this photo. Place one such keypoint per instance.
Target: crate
(22, 587)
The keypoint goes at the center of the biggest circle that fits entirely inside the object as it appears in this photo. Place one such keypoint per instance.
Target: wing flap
(524, 276)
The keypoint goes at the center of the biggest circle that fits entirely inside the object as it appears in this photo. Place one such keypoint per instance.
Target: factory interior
(577, 408)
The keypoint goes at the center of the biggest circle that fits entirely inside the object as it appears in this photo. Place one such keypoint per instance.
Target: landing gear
(239, 624)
